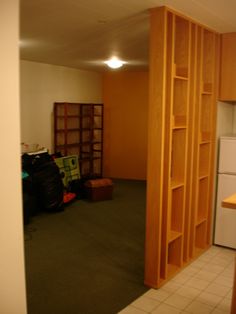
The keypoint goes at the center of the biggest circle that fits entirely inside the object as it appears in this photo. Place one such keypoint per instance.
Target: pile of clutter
(52, 181)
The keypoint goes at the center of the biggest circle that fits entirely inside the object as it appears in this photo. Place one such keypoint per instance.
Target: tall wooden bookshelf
(181, 146)
(78, 130)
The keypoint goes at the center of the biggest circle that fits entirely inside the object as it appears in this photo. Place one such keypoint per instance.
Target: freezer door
(227, 155)
(225, 222)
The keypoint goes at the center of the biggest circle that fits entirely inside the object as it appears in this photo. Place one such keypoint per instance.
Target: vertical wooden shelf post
(155, 160)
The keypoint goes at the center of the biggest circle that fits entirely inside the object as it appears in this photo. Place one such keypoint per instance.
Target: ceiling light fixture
(114, 63)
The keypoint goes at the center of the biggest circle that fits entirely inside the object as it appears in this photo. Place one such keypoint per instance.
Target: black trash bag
(30, 163)
(47, 181)
(28, 207)
(49, 186)
(30, 204)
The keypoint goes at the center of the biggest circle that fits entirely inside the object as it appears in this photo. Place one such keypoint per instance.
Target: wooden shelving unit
(181, 150)
(78, 130)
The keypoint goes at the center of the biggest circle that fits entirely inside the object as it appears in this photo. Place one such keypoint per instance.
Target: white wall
(44, 84)
(12, 275)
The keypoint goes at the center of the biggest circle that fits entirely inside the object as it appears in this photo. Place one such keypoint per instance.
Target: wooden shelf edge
(203, 176)
(206, 93)
(68, 116)
(174, 235)
(206, 88)
(204, 142)
(179, 122)
(89, 158)
(183, 78)
(67, 130)
(180, 72)
(200, 221)
(77, 144)
(205, 137)
(77, 116)
(176, 185)
(179, 127)
(66, 145)
(91, 128)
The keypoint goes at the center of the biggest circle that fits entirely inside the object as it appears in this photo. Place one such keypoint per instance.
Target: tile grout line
(182, 285)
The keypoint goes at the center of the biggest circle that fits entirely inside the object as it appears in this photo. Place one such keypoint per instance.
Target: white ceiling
(84, 33)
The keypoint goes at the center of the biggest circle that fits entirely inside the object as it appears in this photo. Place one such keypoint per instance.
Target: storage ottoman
(99, 189)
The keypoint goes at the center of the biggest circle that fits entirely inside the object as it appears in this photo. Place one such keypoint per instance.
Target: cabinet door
(228, 67)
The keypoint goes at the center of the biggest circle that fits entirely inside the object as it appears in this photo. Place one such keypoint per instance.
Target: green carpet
(88, 259)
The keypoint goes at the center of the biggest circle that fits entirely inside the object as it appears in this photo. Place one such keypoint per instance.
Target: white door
(225, 224)
(227, 157)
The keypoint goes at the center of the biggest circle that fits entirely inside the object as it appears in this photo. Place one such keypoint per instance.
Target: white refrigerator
(225, 221)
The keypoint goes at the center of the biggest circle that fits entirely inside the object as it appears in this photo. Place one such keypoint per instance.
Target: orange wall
(125, 98)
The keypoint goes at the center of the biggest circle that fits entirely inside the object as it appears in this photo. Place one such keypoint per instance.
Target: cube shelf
(78, 130)
(208, 59)
(204, 161)
(174, 261)
(177, 206)
(179, 122)
(207, 88)
(73, 136)
(200, 239)
(174, 235)
(178, 156)
(181, 46)
(180, 102)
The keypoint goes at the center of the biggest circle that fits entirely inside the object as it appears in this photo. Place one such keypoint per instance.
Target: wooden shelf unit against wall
(181, 149)
(78, 130)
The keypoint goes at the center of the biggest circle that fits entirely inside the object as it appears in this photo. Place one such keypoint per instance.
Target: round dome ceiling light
(114, 63)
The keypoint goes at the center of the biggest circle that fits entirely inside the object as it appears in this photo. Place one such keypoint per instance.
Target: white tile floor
(205, 286)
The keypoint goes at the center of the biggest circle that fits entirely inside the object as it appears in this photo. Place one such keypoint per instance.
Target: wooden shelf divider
(181, 149)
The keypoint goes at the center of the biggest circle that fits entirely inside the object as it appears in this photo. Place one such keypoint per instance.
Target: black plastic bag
(46, 179)
(49, 187)
(30, 204)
